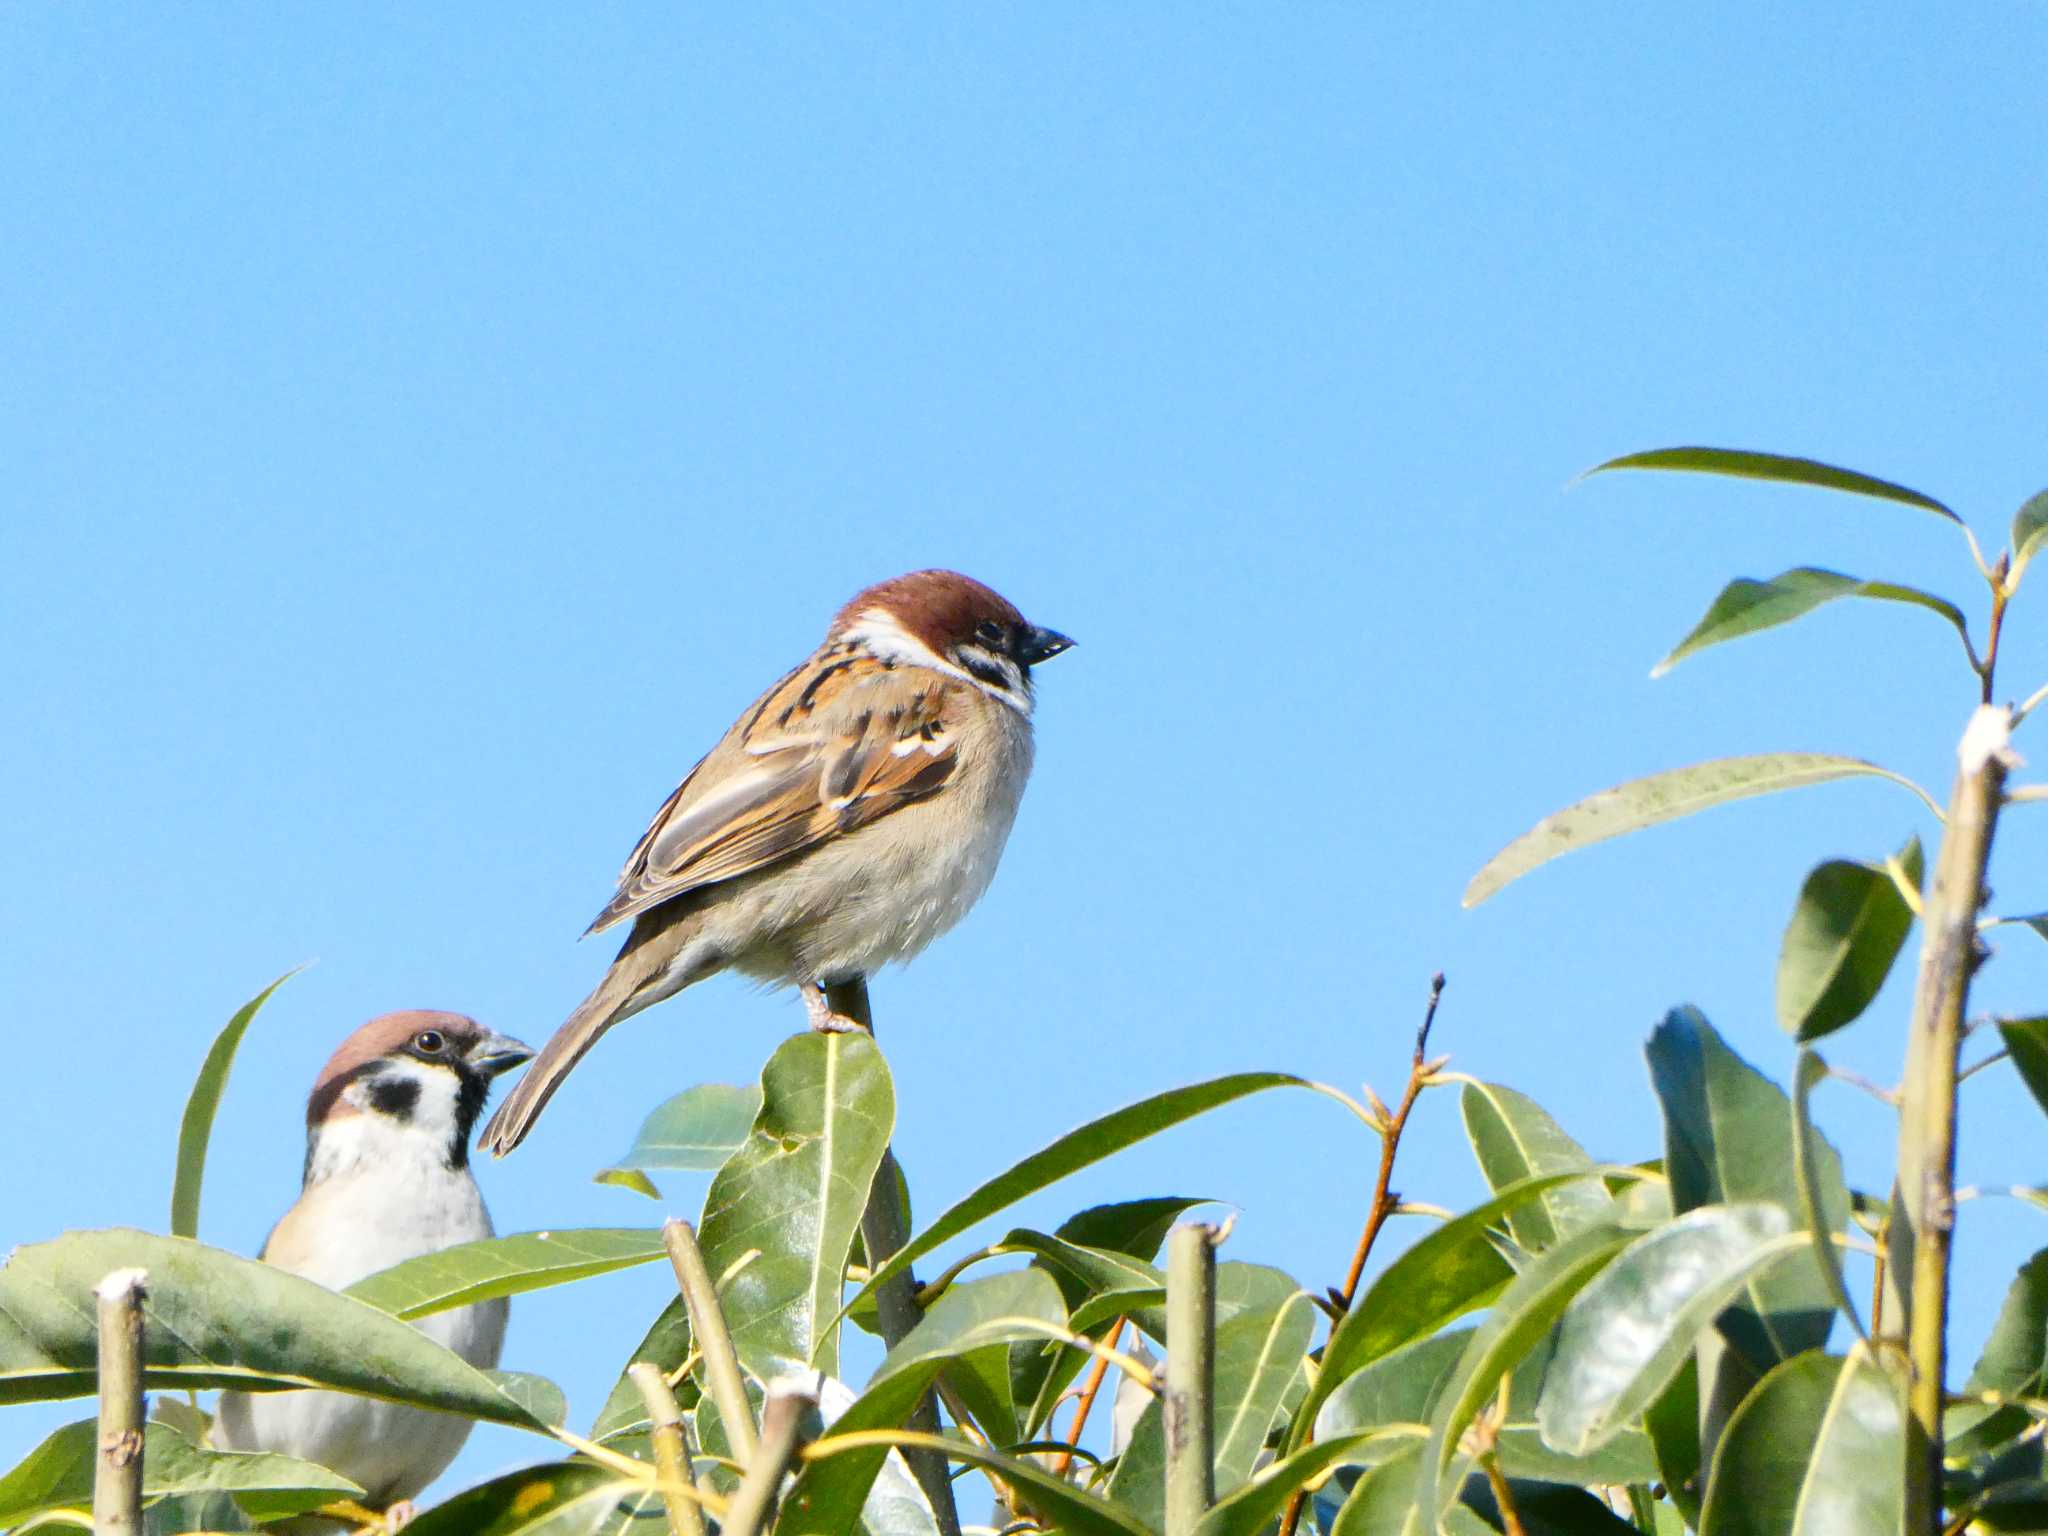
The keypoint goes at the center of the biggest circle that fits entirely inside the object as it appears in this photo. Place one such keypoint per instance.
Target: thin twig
(671, 1449)
(1877, 1091)
(117, 1463)
(707, 1327)
(884, 1229)
(1504, 1498)
(1096, 1372)
(1978, 1066)
(781, 1429)
(1421, 1072)
(1384, 1200)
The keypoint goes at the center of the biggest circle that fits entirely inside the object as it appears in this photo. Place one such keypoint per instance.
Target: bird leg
(823, 1019)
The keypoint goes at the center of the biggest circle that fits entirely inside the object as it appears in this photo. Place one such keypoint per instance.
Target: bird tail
(633, 983)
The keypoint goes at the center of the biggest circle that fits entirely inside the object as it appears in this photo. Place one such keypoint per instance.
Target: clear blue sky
(425, 428)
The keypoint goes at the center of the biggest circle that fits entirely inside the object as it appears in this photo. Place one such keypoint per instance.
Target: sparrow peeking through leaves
(851, 815)
(387, 1178)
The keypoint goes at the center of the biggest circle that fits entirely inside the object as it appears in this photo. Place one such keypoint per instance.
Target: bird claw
(824, 1020)
(399, 1515)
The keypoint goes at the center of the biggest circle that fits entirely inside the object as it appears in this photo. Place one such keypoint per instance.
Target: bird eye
(989, 632)
(429, 1042)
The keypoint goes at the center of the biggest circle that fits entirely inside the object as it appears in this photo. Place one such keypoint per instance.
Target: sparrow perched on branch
(852, 814)
(387, 1178)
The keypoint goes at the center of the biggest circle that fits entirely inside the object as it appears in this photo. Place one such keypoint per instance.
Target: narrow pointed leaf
(563, 1498)
(1846, 931)
(1747, 464)
(1513, 1139)
(58, 1474)
(965, 1319)
(1515, 1324)
(1806, 1168)
(696, 1131)
(2014, 1363)
(1254, 1506)
(212, 1319)
(2027, 1040)
(1450, 1271)
(667, 1345)
(1746, 606)
(1728, 1136)
(795, 1192)
(539, 1396)
(504, 1266)
(1817, 1449)
(1077, 1150)
(195, 1131)
(1665, 797)
(2029, 529)
(1064, 1506)
(1626, 1335)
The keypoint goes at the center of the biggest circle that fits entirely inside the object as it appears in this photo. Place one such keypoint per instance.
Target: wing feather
(832, 748)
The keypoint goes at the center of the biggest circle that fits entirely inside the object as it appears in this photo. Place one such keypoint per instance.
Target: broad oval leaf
(58, 1474)
(1784, 469)
(195, 1130)
(561, 1498)
(1745, 606)
(2027, 1041)
(1076, 1150)
(212, 1319)
(504, 1266)
(1666, 797)
(667, 1344)
(1018, 1305)
(1514, 1325)
(1514, 1139)
(1847, 929)
(696, 1131)
(1627, 1334)
(795, 1192)
(1729, 1136)
(2029, 528)
(1817, 1449)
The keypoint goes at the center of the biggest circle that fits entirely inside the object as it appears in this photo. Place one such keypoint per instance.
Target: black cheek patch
(397, 1097)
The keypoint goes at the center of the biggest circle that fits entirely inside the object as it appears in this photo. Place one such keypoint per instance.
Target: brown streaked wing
(795, 790)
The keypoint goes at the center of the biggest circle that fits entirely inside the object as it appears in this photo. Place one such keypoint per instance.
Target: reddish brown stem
(1384, 1200)
(1093, 1385)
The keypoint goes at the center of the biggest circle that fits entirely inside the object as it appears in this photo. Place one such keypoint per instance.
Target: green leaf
(696, 1131)
(1846, 931)
(1514, 1325)
(1665, 797)
(1133, 1227)
(1514, 1139)
(212, 1319)
(667, 1345)
(965, 1319)
(1806, 1169)
(1817, 1449)
(1728, 1136)
(195, 1131)
(1076, 1150)
(2029, 528)
(1746, 464)
(1627, 1334)
(795, 1192)
(1258, 1352)
(628, 1178)
(504, 1266)
(562, 1498)
(539, 1396)
(1745, 606)
(2014, 1363)
(1673, 1424)
(1061, 1505)
(1444, 1275)
(2027, 1040)
(1401, 1391)
(1254, 1506)
(58, 1474)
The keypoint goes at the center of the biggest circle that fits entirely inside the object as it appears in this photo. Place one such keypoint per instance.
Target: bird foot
(399, 1516)
(824, 1020)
